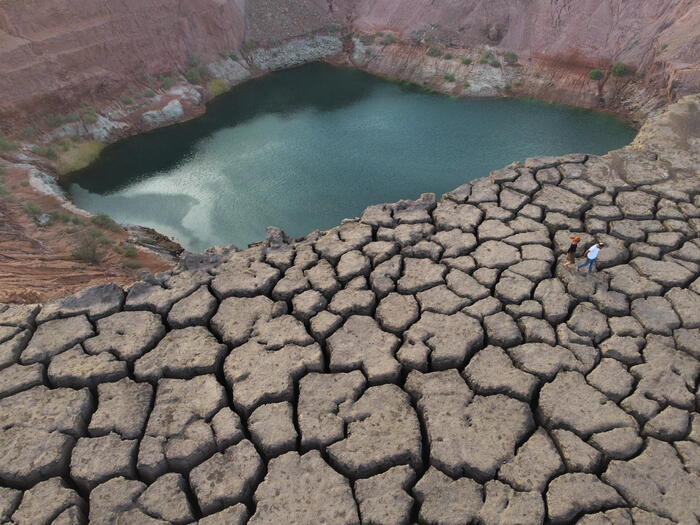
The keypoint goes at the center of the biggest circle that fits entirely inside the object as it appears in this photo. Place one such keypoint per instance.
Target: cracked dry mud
(430, 362)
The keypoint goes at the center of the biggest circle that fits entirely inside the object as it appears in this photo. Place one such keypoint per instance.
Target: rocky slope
(428, 362)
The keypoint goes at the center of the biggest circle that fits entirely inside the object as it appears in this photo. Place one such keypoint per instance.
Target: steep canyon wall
(59, 54)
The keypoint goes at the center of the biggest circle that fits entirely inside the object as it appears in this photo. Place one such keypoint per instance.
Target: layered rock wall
(428, 362)
(57, 56)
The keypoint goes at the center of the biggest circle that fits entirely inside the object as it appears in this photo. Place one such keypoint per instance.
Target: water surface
(303, 149)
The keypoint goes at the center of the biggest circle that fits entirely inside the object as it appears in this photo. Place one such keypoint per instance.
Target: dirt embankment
(41, 243)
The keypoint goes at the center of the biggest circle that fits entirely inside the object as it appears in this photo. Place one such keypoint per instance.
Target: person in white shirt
(591, 256)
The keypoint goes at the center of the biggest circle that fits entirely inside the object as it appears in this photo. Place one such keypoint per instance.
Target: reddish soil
(36, 262)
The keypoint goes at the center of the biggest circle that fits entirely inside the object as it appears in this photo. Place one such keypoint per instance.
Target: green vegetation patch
(65, 143)
(106, 222)
(6, 145)
(218, 86)
(466, 61)
(61, 216)
(79, 156)
(45, 151)
(334, 28)
(510, 57)
(596, 74)
(195, 70)
(434, 51)
(487, 55)
(32, 209)
(166, 82)
(449, 77)
(102, 240)
(29, 132)
(53, 120)
(620, 69)
(89, 115)
(194, 75)
(87, 249)
(367, 40)
(133, 265)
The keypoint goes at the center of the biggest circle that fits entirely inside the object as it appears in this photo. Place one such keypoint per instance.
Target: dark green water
(305, 148)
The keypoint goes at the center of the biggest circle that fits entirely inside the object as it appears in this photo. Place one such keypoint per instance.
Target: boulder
(122, 407)
(444, 500)
(384, 498)
(96, 301)
(570, 403)
(572, 494)
(471, 437)
(491, 371)
(193, 310)
(257, 375)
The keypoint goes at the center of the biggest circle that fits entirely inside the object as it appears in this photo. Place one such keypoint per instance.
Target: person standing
(591, 256)
(571, 252)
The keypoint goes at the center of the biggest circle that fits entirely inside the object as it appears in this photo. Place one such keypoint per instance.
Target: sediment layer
(427, 362)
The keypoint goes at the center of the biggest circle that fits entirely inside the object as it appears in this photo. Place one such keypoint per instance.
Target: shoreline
(341, 60)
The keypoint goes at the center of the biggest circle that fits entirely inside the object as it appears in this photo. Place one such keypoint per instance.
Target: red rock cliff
(60, 53)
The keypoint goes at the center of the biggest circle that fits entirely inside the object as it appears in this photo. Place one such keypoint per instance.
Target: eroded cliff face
(559, 42)
(584, 32)
(60, 54)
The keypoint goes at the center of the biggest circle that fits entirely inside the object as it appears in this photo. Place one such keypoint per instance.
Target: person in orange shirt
(571, 252)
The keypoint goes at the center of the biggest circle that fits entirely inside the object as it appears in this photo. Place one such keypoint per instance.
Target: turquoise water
(303, 149)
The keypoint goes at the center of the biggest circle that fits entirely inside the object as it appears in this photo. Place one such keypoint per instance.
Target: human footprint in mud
(591, 256)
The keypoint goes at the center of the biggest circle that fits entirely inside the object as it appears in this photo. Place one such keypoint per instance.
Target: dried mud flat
(430, 362)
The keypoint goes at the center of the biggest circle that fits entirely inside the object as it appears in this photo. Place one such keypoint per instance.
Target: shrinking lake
(303, 149)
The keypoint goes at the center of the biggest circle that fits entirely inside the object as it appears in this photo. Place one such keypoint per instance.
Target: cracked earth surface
(430, 362)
